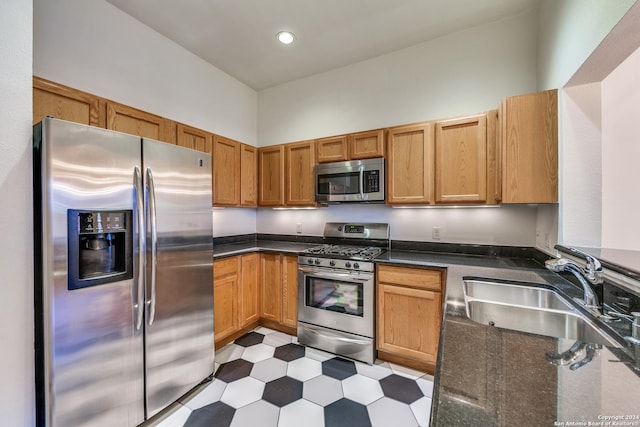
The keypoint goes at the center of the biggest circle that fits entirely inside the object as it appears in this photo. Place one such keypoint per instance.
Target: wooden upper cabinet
(333, 149)
(226, 171)
(410, 164)
(461, 160)
(271, 162)
(300, 178)
(129, 120)
(65, 103)
(529, 148)
(366, 145)
(196, 139)
(248, 175)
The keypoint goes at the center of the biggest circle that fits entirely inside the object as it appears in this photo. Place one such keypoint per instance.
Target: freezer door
(179, 279)
(89, 360)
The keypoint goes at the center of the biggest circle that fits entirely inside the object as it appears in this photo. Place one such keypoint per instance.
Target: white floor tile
(406, 372)
(269, 370)
(319, 355)
(242, 392)
(208, 395)
(301, 413)
(258, 352)
(264, 331)
(322, 390)
(421, 409)
(387, 412)
(426, 386)
(260, 413)
(228, 353)
(304, 369)
(377, 372)
(176, 419)
(362, 389)
(276, 339)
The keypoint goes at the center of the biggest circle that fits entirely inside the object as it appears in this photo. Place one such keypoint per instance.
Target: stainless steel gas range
(336, 290)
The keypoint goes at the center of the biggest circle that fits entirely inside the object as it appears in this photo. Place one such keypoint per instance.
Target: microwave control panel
(371, 181)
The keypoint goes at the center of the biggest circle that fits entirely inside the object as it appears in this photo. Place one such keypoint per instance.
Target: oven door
(339, 300)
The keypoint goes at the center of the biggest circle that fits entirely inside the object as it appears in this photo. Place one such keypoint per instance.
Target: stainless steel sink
(530, 309)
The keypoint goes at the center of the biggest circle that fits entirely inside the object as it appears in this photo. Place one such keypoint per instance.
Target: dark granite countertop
(488, 376)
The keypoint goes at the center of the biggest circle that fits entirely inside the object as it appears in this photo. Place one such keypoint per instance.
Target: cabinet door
(410, 164)
(135, 122)
(65, 103)
(226, 171)
(529, 132)
(271, 295)
(248, 175)
(461, 160)
(409, 322)
(225, 294)
(272, 175)
(366, 145)
(249, 290)
(290, 290)
(300, 178)
(333, 149)
(193, 138)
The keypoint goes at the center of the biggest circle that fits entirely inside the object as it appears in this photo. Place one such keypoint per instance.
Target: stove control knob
(356, 265)
(310, 260)
(317, 261)
(347, 264)
(332, 263)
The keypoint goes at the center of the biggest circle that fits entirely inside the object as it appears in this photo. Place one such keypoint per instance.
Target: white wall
(94, 47)
(458, 74)
(16, 216)
(620, 156)
(568, 32)
(462, 73)
(507, 225)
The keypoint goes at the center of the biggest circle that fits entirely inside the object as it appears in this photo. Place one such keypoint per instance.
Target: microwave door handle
(361, 181)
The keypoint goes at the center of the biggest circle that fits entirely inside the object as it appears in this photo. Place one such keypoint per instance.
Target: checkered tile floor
(265, 379)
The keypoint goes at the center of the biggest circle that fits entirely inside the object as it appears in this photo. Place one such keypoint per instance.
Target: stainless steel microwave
(354, 181)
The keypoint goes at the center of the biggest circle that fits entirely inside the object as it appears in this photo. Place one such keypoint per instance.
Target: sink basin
(532, 309)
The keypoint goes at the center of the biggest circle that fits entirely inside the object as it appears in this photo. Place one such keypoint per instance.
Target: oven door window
(339, 183)
(334, 295)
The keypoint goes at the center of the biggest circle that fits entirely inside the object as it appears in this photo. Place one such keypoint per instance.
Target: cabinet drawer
(422, 278)
(225, 267)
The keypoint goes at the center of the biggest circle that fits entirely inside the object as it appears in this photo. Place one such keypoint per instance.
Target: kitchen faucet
(591, 273)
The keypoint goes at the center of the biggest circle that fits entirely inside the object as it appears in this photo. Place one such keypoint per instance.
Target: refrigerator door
(179, 279)
(89, 360)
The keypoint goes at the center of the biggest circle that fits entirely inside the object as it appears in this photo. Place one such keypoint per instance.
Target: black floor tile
(218, 414)
(247, 340)
(345, 412)
(289, 352)
(234, 370)
(282, 391)
(400, 388)
(339, 368)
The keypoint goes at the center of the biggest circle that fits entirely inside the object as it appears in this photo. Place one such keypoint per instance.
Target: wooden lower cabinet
(226, 276)
(409, 307)
(249, 290)
(279, 294)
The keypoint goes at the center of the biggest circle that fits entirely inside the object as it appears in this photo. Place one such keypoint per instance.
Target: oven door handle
(336, 275)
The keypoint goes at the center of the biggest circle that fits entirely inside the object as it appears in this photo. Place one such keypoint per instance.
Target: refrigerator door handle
(139, 281)
(154, 246)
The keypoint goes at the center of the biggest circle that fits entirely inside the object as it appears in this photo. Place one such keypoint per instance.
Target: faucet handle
(593, 268)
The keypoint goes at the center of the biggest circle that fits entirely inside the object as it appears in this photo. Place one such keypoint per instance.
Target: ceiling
(238, 36)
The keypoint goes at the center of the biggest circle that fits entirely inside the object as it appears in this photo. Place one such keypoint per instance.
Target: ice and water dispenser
(99, 247)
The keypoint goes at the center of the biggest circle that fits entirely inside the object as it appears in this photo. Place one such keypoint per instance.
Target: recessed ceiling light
(285, 37)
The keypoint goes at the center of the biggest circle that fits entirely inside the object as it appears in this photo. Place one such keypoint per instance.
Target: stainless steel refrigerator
(123, 275)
